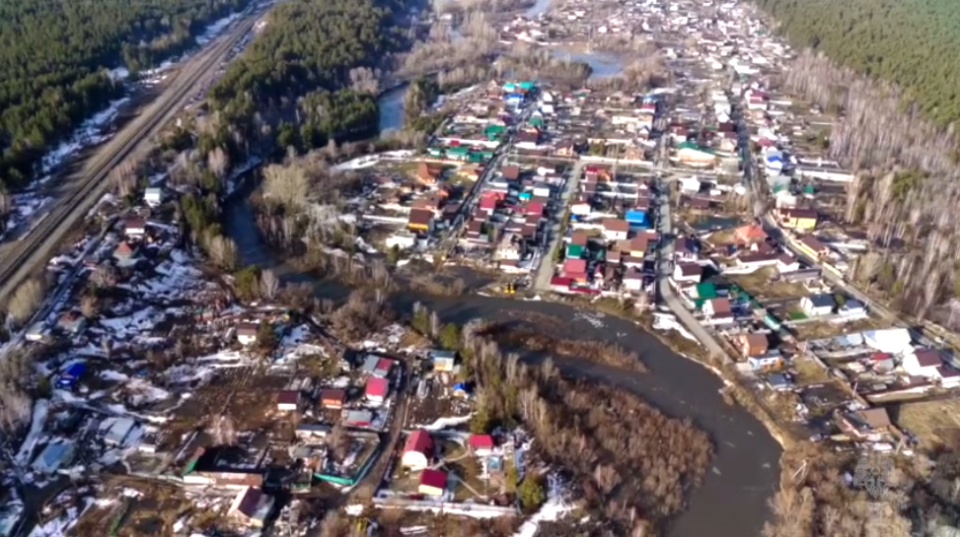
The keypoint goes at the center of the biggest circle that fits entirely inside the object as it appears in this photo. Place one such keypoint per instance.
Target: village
(173, 406)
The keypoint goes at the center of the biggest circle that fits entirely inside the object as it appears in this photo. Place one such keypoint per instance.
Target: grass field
(936, 423)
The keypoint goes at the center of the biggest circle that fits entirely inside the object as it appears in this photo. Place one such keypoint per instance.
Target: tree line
(54, 58)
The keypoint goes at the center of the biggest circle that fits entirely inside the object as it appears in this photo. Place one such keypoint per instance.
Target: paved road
(545, 271)
(19, 258)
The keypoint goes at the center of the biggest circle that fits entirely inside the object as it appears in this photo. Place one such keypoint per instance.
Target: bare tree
(26, 300)
(364, 79)
(286, 185)
(222, 251)
(219, 163)
(269, 284)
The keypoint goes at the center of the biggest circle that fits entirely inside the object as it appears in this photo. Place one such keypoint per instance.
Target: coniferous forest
(311, 73)
(54, 56)
(912, 43)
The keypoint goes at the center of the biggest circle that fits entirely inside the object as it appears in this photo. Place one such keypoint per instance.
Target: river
(731, 502)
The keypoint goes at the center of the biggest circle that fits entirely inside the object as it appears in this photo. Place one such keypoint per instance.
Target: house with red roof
(575, 269)
(418, 450)
(377, 389)
(432, 482)
(481, 444)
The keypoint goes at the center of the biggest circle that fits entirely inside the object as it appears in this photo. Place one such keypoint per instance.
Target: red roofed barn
(418, 450)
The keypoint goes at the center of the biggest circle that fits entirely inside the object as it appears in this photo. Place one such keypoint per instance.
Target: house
(868, 424)
(765, 362)
(576, 269)
(691, 154)
(124, 252)
(428, 174)
(432, 482)
(565, 149)
(811, 246)
(247, 333)
(750, 234)
(779, 382)
(357, 418)
(71, 322)
(718, 309)
(69, 378)
(252, 507)
(333, 398)
(687, 272)
(818, 304)
(153, 196)
(686, 249)
(633, 281)
(922, 363)
(134, 227)
(418, 450)
(800, 219)
(288, 400)
(853, 308)
(510, 173)
(757, 261)
(443, 361)
(949, 377)
(615, 229)
(787, 263)
(377, 366)
(376, 389)
(753, 344)
(481, 445)
(420, 220)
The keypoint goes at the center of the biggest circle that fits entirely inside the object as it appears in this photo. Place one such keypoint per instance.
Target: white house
(922, 363)
(615, 229)
(687, 272)
(817, 305)
(689, 184)
(153, 196)
(633, 281)
(247, 333)
(418, 450)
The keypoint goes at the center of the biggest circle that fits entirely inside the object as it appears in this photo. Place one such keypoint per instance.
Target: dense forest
(312, 71)
(912, 43)
(54, 56)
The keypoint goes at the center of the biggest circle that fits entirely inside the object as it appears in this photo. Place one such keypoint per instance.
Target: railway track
(39, 243)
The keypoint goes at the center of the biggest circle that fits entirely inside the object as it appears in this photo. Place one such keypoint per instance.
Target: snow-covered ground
(367, 161)
(36, 431)
(214, 29)
(554, 509)
(88, 134)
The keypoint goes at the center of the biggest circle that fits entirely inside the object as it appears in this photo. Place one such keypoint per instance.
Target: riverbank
(731, 502)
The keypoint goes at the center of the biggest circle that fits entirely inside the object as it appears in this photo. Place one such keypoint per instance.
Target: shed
(443, 360)
(574, 251)
(432, 482)
(69, 378)
(357, 418)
